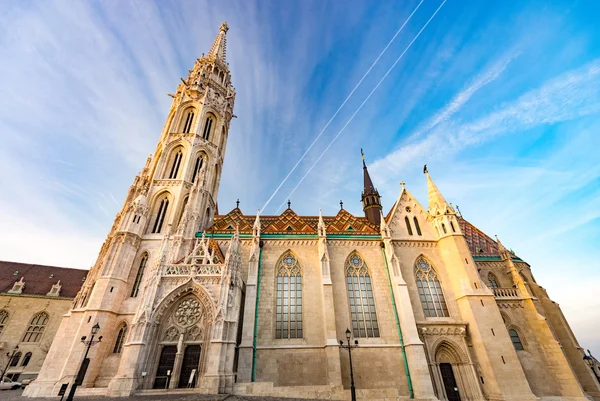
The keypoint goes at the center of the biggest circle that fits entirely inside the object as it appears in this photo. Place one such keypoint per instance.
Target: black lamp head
(95, 328)
(348, 334)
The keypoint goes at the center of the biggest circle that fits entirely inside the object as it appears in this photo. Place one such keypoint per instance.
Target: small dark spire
(237, 204)
(341, 205)
(371, 199)
(289, 204)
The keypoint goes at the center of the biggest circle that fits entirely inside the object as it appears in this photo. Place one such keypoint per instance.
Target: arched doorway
(180, 343)
(453, 373)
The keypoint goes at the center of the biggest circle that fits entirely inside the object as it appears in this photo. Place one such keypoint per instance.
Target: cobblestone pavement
(15, 395)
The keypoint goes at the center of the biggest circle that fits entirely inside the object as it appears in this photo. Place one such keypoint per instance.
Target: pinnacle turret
(219, 46)
(437, 203)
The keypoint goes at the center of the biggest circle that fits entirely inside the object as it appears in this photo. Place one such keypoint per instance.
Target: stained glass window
(120, 339)
(360, 298)
(3, 320)
(139, 276)
(492, 281)
(430, 290)
(36, 328)
(514, 337)
(289, 298)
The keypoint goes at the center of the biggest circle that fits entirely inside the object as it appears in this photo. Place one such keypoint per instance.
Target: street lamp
(589, 360)
(81, 372)
(350, 346)
(10, 358)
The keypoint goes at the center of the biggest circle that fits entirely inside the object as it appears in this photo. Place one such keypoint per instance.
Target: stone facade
(33, 301)
(256, 305)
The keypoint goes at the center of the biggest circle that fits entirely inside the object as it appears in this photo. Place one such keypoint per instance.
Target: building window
(289, 298)
(430, 290)
(493, 281)
(197, 167)
(207, 128)
(26, 359)
(160, 216)
(514, 337)
(188, 122)
(408, 227)
(360, 297)
(120, 339)
(3, 320)
(176, 164)
(15, 359)
(139, 276)
(452, 226)
(417, 226)
(36, 328)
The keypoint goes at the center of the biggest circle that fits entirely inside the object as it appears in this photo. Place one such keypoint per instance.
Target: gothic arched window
(15, 359)
(189, 119)
(492, 280)
(417, 225)
(138, 277)
(514, 337)
(120, 339)
(430, 289)
(444, 228)
(175, 164)
(452, 226)
(26, 359)
(3, 320)
(160, 215)
(197, 167)
(289, 298)
(360, 297)
(408, 228)
(36, 328)
(208, 127)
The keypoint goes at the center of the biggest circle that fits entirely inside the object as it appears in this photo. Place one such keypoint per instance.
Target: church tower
(170, 200)
(370, 198)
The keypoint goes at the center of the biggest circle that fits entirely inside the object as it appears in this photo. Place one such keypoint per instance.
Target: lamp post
(89, 343)
(10, 358)
(589, 360)
(350, 346)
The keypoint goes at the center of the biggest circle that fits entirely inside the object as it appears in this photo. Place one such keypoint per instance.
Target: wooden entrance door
(449, 382)
(165, 364)
(191, 359)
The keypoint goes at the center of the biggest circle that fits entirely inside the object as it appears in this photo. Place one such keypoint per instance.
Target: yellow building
(254, 304)
(33, 300)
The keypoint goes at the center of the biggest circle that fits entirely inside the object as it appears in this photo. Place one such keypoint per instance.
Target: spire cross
(402, 183)
(341, 205)
(362, 154)
(237, 204)
(289, 202)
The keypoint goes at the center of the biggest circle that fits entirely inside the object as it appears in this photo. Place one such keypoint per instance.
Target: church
(187, 298)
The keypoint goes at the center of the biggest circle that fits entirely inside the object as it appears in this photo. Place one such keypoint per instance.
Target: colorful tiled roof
(291, 223)
(479, 243)
(39, 279)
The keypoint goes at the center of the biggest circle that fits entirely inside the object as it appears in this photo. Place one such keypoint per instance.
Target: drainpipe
(387, 270)
(256, 313)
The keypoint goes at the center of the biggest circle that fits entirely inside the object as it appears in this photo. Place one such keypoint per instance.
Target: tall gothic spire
(370, 196)
(436, 200)
(218, 49)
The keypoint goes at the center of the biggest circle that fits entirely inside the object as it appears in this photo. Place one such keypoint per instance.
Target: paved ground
(15, 395)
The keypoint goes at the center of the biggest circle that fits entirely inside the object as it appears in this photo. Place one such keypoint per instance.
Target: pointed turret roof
(368, 183)
(218, 49)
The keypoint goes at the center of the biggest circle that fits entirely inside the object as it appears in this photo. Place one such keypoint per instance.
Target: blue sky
(501, 100)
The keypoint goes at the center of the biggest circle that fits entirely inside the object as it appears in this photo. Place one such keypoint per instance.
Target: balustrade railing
(190, 269)
(505, 292)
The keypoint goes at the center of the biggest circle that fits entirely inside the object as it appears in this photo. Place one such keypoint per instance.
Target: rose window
(188, 312)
